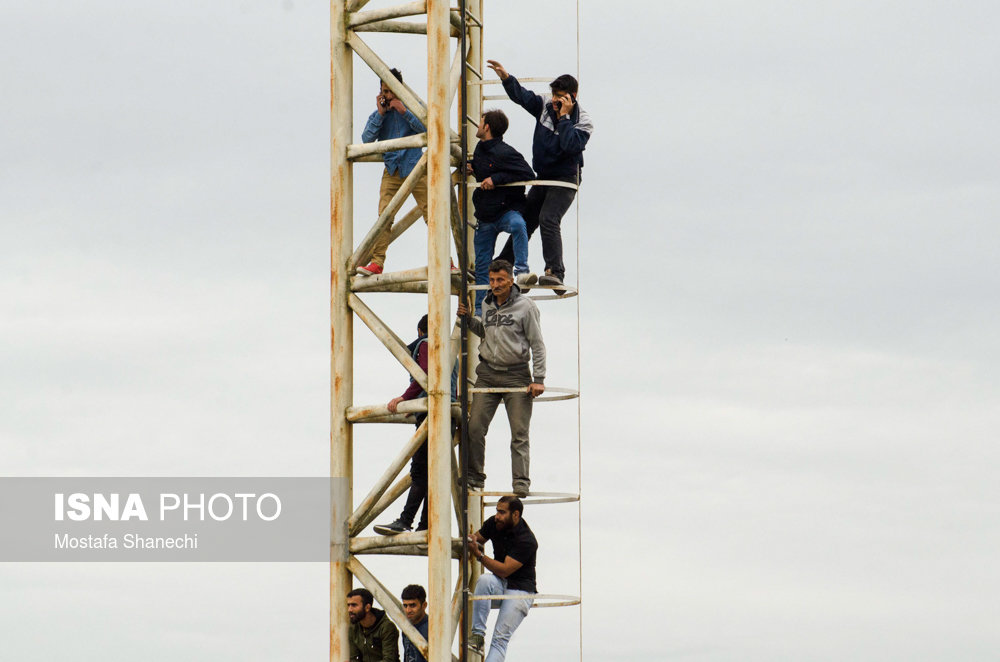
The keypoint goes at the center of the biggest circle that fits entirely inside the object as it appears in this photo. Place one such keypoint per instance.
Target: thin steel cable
(579, 379)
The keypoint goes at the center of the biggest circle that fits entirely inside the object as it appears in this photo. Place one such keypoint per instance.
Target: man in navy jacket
(495, 163)
(562, 129)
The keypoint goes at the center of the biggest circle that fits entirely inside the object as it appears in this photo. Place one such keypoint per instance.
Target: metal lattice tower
(454, 66)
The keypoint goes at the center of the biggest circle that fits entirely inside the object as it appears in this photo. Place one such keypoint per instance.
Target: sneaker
(370, 269)
(477, 643)
(550, 279)
(391, 529)
(520, 491)
(525, 281)
(421, 527)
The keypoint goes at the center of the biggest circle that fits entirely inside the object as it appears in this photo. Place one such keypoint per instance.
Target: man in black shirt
(512, 572)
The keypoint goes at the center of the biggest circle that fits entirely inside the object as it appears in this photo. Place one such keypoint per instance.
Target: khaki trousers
(391, 184)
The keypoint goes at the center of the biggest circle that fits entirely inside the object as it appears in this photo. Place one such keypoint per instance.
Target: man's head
(563, 87)
(386, 92)
(493, 125)
(509, 509)
(501, 278)
(414, 603)
(359, 604)
(422, 326)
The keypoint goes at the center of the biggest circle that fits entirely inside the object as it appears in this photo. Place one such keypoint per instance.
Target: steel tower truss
(448, 52)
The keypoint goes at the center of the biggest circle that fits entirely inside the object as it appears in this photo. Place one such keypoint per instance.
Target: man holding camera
(562, 129)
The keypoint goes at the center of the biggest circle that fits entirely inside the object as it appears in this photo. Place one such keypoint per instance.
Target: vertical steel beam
(341, 322)
(439, 327)
(474, 109)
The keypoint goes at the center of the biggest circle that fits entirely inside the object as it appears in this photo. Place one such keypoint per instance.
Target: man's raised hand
(497, 67)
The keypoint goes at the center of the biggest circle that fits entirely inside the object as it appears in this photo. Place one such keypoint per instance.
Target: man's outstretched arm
(527, 99)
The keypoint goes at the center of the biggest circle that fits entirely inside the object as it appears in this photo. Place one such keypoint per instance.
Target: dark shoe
(520, 491)
(421, 527)
(391, 529)
(477, 643)
(549, 279)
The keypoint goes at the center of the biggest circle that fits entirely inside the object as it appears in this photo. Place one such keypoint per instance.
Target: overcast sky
(790, 331)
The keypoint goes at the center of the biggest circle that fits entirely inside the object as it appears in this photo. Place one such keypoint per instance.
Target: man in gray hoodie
(512, 335)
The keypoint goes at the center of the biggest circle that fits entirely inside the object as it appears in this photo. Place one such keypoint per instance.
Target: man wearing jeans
(499, 209)
(562, 130)
(512, 572)
(512, 335)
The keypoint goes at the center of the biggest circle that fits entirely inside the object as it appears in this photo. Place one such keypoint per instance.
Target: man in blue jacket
(495, 163)
(391, 119)
(562, 129)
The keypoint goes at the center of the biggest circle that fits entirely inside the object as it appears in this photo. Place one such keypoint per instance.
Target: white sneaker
(525, 281)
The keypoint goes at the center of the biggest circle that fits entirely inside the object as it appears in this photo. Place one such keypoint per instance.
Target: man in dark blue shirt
(415, 607)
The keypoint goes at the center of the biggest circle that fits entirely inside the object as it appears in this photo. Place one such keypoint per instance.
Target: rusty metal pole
(439, 327)
(341, 322)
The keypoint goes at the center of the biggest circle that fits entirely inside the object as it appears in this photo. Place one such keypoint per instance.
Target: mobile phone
(384, 103)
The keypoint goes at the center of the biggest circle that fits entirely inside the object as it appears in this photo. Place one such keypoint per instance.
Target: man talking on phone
(391, 119)
(562, 129)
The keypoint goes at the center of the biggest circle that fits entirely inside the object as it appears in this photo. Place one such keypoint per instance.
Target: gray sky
(789, 319)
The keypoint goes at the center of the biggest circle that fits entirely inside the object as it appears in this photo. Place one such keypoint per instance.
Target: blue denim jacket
(393, 125)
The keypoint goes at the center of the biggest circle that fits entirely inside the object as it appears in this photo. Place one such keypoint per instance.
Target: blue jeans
(511, 613)
(486, 242)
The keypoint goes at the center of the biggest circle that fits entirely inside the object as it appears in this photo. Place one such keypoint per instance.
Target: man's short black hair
(513, 503)
(414, 592)
(565, 83)
(422, 325)
(502, 265)
(399, 75)
(366, 596)
(497, 121)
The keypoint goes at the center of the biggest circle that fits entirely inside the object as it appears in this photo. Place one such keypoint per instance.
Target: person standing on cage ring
(495, 163)
(562, 130)
(511, 330)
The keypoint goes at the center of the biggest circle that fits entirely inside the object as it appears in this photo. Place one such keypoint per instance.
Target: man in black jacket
(499, 209)
(562, 130)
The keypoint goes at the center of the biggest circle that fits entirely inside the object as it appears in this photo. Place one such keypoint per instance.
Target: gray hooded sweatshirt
(511, 333)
